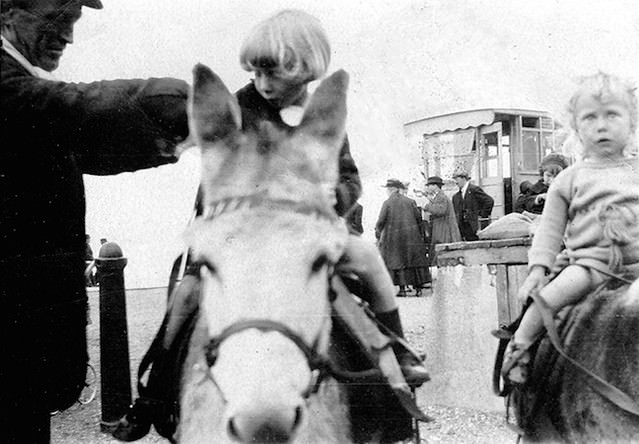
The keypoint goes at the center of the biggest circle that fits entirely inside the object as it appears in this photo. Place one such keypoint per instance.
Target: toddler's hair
(603, 86)
(291, 43)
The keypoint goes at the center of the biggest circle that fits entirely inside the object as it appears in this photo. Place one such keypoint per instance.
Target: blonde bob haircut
(292, 44)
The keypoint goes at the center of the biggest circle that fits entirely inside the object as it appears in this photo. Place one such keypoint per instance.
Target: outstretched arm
(108, 126)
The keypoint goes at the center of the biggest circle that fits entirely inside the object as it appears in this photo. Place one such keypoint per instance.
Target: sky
(406, 60)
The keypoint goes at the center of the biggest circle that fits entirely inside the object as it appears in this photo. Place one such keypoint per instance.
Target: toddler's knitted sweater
(579, 201)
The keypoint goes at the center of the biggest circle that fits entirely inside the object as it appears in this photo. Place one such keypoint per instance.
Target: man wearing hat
(401, 241)
(470, 203)
(53, 133)
(442, 215)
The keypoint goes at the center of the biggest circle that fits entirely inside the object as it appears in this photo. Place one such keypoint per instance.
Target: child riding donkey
(592, 207)
(286, 52)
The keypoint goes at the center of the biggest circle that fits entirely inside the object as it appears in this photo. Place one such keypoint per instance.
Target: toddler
(592, 206)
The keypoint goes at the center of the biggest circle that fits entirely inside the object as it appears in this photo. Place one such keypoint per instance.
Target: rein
(316, 362)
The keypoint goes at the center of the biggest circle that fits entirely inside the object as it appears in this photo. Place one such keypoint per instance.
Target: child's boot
(412, 368)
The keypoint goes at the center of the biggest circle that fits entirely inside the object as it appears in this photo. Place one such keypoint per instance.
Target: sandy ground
(81, 423)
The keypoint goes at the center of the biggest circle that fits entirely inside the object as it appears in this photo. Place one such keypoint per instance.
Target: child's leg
(363, 259)
(567, 288)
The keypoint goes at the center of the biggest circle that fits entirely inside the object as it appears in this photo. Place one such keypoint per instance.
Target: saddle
(548, 359)
(378, 394)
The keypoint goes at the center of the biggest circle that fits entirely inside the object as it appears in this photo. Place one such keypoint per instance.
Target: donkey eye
(319, 263)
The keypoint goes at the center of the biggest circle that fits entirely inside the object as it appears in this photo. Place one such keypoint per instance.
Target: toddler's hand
(534, 282)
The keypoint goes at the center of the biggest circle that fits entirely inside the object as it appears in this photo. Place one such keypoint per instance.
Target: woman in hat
(443, 223)
(401, 239)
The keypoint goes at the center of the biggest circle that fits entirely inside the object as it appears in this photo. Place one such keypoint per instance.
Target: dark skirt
(415, 276)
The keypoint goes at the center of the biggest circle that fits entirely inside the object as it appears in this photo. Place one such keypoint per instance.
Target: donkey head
(266, 242)
(300, 164)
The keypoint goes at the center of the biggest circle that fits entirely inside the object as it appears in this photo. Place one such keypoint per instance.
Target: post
(115, 375)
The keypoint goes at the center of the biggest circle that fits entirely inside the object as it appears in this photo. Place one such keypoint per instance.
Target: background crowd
(408, 234)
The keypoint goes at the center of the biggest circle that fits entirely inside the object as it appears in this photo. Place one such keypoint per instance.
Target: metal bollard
(115, 374)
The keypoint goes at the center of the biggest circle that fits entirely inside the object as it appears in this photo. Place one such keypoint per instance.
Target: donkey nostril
(298, 417)
(232, 430)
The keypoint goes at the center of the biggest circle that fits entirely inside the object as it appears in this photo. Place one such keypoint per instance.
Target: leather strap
(498, 389)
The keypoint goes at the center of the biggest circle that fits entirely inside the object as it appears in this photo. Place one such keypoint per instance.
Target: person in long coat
(471, 202)
(401, 240)
(54, 132)
(443, 222)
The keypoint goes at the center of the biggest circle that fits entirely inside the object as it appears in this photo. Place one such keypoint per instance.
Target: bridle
(320, 365)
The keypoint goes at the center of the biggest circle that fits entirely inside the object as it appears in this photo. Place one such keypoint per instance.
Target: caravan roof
(465, 119)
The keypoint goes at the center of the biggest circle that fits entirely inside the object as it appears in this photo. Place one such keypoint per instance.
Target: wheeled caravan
(499, 148)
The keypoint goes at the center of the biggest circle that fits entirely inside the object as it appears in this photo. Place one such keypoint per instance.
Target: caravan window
(537, 141)
(530, 148)
(490, 155)
(530, 122)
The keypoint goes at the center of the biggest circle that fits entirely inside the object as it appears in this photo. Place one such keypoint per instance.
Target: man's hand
(184, 145)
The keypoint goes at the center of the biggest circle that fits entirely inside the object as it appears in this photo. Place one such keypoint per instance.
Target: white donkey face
(265, 252)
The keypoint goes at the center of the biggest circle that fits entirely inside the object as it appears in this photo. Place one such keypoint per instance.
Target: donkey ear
(213, 111)
(325, 115)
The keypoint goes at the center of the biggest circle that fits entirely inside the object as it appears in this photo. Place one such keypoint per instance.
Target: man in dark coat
(53, 132)
(470, 203)
(401, 239)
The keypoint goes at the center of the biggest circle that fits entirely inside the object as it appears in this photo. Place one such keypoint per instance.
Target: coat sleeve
(484, 202)
(381, 220)
(519, 206)
(416, 212)
(438, 207)
(421, 223)
(349, 187)
(528, 201)
(109, 126)
(456, 199)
